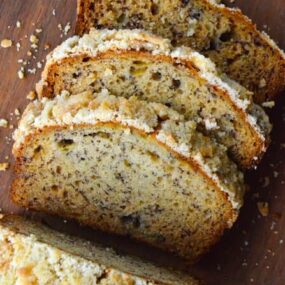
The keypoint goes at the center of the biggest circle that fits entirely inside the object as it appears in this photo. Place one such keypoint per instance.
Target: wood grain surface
(253, 252)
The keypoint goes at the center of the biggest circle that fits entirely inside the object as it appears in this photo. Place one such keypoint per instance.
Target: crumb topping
(99, 41)
(168, 126)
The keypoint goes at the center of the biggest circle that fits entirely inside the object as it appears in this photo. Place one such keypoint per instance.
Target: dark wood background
(253, 252)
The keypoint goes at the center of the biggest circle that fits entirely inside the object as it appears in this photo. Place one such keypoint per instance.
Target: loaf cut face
(31, 253)
(127, 167)
(225, 35)
(137, 63)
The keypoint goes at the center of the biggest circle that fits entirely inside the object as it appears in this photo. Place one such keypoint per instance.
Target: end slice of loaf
(228, 37)
(138, 63)
(31, 253)
(128, 167)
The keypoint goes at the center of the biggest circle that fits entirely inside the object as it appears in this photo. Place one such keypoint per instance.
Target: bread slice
(137, 63)
(225, 35)
(31, 253)
(127, 167)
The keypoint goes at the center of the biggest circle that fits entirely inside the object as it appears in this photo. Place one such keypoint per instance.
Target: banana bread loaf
(137, 63)
(128, 167)
(228, 37)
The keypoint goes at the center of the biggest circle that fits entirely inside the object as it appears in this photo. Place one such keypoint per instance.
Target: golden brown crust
(81, 18)
(46, 89)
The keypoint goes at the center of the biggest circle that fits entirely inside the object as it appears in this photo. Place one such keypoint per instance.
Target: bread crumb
(53, 12)
(31, 95)
(4, 166)
(11, 127)
(17, 112)
(67, 28)
(3, 123)
(275, 174)
(281, 241)
(262, 83)
(32, 70)
(268, 104)
(18, 46)
(1, 216)
(34, 39)
(38, 31)
(21, 74)
(18, 24)
(47, 46)
(6, 43)
(263, 208)
(39, 65)
(29, 53)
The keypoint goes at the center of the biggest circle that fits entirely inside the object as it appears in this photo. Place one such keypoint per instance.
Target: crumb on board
(21, 73)
(18, 24)
(6, 43)
(34, 39)
(18, 46)
(3, 123)
(32, 70)
(46, 46)
(268, 104)
(17, 112)
(38, 31)
(275, 174)
(31, 95)
(263, 208)
(4, 166)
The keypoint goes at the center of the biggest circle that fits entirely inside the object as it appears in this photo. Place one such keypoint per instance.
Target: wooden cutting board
(253, 252)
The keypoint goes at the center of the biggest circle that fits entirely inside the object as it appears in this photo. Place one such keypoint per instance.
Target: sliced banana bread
(137, 63)
(228, 37)
(128, 167)
(31, 253)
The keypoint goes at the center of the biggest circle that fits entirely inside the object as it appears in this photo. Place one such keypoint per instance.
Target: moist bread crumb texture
(126, 166)
(33, 254)
(225, 35)
(138, 63)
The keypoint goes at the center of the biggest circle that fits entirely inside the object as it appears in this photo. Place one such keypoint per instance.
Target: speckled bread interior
(31, 253)
(228, 37)
(128, 167)
(137, 63)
